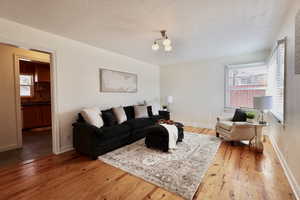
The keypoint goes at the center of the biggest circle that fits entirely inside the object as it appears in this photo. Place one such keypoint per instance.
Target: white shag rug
(179, 171)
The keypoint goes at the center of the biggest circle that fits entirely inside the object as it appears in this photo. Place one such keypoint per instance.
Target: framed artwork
(116, 81)
(297, 43)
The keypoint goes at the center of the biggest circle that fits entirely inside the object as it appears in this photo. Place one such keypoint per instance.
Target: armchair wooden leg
(217, 134)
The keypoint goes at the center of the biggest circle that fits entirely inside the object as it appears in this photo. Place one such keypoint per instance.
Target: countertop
(35, 103)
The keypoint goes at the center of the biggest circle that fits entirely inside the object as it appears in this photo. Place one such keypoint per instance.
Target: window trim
(31, 86)
(226, 86)
(282, 119)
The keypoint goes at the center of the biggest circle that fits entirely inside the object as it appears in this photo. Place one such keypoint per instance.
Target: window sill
(277, 119)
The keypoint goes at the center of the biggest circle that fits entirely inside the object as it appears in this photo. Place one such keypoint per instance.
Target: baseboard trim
(287, 171)
(65, 149)
(9, 147)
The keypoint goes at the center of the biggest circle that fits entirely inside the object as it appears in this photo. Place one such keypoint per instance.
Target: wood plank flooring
(236, 173)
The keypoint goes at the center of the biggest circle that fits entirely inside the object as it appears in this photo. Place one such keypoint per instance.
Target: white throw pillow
(140, 111)
(120, 114)
(155, 108)
(92, 116)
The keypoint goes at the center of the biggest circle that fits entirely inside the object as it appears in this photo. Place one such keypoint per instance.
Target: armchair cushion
(227, 125)
(239, 116)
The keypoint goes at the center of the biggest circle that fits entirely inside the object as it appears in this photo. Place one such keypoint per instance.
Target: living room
(173, 58)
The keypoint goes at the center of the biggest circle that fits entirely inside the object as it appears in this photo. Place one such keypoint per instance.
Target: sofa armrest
(84, 138)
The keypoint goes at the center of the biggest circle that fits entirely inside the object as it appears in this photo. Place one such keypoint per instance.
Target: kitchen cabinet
(36, 115)
(45, 112)
(42, 72)
(27, 67)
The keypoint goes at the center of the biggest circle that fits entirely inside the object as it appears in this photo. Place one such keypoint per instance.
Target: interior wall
(77, 76)
(198, 88)
(287, 138)
(8, 131)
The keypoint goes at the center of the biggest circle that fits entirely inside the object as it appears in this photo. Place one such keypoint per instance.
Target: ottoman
(157, 136)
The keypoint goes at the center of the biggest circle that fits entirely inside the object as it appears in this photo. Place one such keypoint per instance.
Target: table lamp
(263, 103)
(170, 101)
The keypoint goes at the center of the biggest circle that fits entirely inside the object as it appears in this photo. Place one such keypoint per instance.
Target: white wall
(287, 139)
(8, 136)
(78, 74)
(198, 88)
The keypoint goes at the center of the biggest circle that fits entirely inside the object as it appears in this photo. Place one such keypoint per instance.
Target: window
(243, 82)
(26, 85)
(276, 80)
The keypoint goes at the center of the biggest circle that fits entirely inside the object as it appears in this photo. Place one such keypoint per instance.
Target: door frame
(54, 95)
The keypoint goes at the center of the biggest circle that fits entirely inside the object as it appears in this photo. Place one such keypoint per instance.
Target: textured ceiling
(199, 29)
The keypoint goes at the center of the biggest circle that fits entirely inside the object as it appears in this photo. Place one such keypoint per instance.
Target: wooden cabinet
(45, 112)
(30, 116)
(34, 116)
(27, 67)
(42, 72)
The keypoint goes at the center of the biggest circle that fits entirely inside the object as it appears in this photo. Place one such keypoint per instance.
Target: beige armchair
(234, 131)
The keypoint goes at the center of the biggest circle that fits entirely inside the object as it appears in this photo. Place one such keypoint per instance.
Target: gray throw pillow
(140, 111)
(120, 114)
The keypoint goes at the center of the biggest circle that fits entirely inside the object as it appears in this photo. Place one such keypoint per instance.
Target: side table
(258, 144)
(164, 114)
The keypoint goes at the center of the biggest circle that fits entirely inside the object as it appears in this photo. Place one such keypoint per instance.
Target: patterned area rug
(179, 171)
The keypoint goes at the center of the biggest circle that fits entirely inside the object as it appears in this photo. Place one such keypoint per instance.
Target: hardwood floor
(236, 173)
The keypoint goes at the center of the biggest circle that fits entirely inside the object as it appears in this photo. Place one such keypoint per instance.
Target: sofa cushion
(156, 107)
(239, 116)
(109, 118)
(120, 114)
(156, 117)
(92, 116)
(227, 125)
(140, 111)
(149, 109)
(116, 131)
(139, 123)
(129, 110)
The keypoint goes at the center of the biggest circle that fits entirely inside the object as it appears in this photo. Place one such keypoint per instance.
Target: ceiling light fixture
(168, 48)
(155, 46)
(165, 41)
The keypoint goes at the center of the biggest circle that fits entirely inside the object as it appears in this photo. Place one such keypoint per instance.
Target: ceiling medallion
(166, 42)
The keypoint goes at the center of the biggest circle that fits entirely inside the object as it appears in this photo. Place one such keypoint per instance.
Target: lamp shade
(170, 99)
(263, 102)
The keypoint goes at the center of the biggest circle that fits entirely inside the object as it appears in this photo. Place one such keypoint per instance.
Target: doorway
(35, 98)
(33, 107)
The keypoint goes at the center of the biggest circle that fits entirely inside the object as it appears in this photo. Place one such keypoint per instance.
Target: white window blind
(243, 82)
(276, 80)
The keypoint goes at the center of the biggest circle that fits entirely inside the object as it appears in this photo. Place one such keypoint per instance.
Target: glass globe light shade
(155, 47)
(168, 48)
(167, 42)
